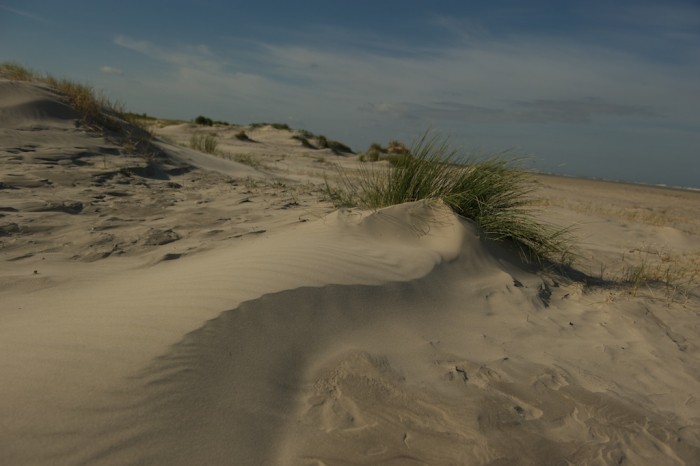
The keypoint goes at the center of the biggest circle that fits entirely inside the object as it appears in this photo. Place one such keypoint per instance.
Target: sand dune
(225, 314)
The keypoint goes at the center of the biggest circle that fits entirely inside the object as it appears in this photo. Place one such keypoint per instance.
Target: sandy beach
(221, 310)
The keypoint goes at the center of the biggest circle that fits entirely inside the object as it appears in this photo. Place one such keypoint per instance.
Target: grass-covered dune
(495, 193)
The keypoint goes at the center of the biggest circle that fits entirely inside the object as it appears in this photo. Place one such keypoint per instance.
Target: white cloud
(191, 56)
(110, 70)
(193, 75)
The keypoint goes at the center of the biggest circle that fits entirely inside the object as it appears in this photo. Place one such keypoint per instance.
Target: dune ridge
(120, 315)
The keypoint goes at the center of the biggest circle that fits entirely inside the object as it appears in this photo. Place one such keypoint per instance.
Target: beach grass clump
(397, 147)
(393, 153)
(678, 277)
(204, 143)
(372, 155)
(16, 72)
(95, 107)
(248, 159)
(494, 193)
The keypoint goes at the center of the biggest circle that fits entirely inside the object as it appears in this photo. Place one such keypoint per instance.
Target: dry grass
(651, 271)
(248, 159)
(97, 111)
(16, 72)
(95, 107)
(635, 214)
(204, 142)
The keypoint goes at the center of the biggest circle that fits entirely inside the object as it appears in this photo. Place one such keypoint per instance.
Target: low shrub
(397, 147)
(339, 147)
(242, 136)
(204, 121)
(376, 147)
(281, 126)
(304, 142)
(372, 155)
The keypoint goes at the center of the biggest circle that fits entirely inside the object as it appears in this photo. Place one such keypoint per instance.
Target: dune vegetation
(97, 111)
(494, 193)
(95, 107)
(204, 143)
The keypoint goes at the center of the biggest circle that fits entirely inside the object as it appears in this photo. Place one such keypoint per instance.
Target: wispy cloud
(506, 81)
(535, 111)
(435, 111)
(25, 14)
(192, 56)
(199, 74)
(660, 16)
(575, 110)
(110, 70)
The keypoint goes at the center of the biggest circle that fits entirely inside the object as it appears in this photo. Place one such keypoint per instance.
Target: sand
(215, 312)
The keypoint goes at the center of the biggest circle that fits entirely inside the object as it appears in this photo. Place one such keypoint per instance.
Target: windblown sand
(212, 312)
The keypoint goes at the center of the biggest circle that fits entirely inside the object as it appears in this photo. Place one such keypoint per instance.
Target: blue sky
(602, 89)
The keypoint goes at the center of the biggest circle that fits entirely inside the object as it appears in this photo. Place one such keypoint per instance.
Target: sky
(585, 88)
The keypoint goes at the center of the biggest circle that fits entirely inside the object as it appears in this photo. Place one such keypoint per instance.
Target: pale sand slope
(225, 315)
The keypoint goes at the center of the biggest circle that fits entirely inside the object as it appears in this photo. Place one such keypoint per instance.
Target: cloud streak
(195, 74)
(110, 70)
(26, 14)
(538, 111)
(190, 56)
(576, 110)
